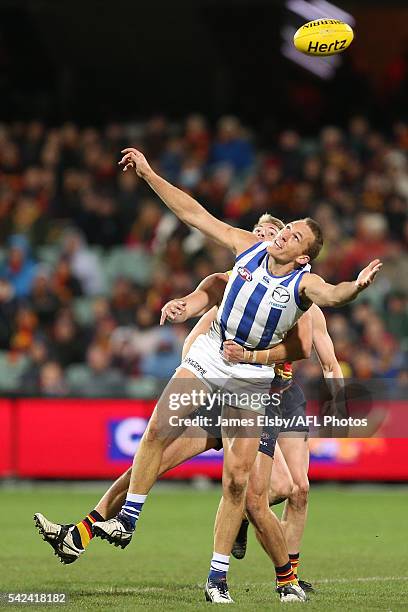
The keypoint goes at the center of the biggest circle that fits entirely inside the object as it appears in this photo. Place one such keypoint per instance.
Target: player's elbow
(328, 369)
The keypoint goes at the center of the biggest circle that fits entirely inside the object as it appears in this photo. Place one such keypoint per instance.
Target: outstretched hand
(174, 311)
(366, 276)
(135, 159)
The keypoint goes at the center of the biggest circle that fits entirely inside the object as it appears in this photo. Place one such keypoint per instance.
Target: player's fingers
(231, 354)
(373, 263)
(125, 158)
(129, 150)
(163, 316)
(375, 270)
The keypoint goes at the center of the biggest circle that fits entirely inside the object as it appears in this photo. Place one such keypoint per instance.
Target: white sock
(219, 563)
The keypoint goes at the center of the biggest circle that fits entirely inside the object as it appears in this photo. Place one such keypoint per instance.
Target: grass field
(355, 552)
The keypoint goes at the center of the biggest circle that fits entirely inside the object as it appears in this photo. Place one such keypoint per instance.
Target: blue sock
(133, 507)
(219, 567)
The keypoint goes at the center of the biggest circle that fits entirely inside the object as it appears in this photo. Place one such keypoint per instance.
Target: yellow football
(323, 37)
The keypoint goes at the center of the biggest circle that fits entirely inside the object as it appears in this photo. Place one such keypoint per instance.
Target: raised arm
(186, 208)
(313, 288)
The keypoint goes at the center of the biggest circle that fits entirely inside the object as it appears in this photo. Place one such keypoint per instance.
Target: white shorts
(241, 385)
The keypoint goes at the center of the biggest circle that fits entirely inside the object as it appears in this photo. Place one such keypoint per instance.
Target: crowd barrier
(96, 439)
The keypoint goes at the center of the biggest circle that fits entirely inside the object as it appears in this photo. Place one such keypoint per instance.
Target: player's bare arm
(297, 345)
(208, 293)
(186, 208)
(323, 345)
(313, 289)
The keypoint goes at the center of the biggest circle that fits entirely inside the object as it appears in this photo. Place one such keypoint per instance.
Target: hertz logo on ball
(323, 37)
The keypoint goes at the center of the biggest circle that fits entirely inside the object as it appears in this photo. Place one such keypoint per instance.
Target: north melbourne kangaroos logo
(281, 295)
(245, 274)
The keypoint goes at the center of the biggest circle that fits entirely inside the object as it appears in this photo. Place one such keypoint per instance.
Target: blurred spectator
(64, 283)
(100, 380)
(19, 268)
(232, 146)
(42, 299)
(197, 137)
(370, 243)
(8, 306)
(30, 377)
(158, 347)
(68, 343)
(124, 301)
(26, 322)
(144, 228)
(396, 315)
(85, 265)
(52, 381)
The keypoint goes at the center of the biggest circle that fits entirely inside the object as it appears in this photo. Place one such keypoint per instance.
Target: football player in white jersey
(256, 317)
(280, 260)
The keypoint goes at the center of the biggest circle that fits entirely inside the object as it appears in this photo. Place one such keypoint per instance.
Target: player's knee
(300, 493)
(234, 485)
(282, 490)
(152, 432)
(303, 489)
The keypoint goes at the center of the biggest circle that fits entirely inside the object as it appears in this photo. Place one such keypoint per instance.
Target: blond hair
(267, 218)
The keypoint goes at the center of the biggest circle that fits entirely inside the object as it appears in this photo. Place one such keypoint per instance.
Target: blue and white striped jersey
(258, 309)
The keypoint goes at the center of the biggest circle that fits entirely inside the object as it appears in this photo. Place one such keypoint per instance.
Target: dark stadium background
(80, 80)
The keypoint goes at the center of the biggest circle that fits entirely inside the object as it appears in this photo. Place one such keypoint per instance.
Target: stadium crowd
(88, 255)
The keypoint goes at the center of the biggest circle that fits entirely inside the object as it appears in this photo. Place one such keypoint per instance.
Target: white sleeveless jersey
(258, 309)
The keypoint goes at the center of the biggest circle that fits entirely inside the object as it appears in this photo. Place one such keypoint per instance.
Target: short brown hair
(315, 246)
(267, 218)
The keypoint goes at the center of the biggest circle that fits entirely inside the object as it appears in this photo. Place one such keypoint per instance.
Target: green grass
(355, 552)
